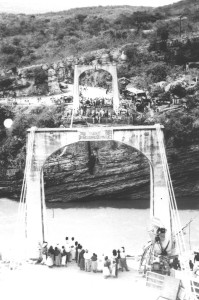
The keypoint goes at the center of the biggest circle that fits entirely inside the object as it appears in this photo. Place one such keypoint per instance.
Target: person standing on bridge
(123, 259)
(50, 258)
(196, 263)
(87, 259)
(106, 268)
(67, 248)
(72, 247)
(63, 256)
(114, 264)
(44, 252)
(57, 256)
(94, 262)
(81, 260)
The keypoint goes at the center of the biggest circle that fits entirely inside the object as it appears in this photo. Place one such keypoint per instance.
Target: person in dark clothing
(76, 251)
(176, 264)
(119, 257)
(81, 260)
(57, 257)
(191, 265)
(196, 263)
(196, 257)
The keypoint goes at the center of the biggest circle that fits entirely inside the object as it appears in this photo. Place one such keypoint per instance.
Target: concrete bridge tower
(48, 140)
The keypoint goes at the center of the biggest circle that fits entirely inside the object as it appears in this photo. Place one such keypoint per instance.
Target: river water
(100, 226)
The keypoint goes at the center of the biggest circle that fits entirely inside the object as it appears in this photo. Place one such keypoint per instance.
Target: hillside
(32, 39)
(184, 7)
(45, 38)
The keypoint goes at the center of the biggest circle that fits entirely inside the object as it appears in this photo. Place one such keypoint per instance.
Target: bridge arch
(110, 68)
(47, 141)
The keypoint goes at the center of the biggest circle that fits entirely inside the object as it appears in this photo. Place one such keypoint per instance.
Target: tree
(163, 32)
(81, 18)
(131, 53)
(6, 83)
(40, 76)
(178, 90)
(8, 48)
(157, 72)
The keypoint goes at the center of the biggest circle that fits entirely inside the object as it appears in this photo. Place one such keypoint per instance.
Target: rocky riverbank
(98, 170)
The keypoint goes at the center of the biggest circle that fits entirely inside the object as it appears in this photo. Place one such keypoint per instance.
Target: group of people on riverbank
(86, 260)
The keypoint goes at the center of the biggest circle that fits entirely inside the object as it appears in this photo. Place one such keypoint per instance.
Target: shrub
(178, 90)
(40, 76)
(6, 83)
(157, 72)
(8, 49)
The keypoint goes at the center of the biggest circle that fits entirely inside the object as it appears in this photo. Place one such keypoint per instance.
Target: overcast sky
(41, 6)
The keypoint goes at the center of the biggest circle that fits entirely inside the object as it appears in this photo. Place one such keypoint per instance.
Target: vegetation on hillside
(32, 39)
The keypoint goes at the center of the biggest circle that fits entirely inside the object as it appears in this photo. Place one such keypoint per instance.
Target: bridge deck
(75, 129)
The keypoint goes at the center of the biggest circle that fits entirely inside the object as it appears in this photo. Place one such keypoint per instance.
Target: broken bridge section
(48, 140)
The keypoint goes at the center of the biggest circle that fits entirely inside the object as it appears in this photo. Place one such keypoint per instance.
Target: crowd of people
(87, 261)
(96, 102)
(100, 112)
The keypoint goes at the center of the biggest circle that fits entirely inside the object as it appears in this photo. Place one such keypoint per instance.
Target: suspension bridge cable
(20, 228)
(175, 214)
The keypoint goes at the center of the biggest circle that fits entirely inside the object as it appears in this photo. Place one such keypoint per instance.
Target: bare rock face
(27, 81)
(94, 170)
(53, 84)
(91, 170)
(61, 72)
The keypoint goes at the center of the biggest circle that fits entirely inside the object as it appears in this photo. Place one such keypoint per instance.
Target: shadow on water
(125, 201)
(185, 203)
(119, 202)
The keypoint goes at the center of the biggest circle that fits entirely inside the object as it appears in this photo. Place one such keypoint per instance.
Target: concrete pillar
(76, 89)
(109, 68)
(46, 142)
(34, 212)
(116, 98)
(161, 200)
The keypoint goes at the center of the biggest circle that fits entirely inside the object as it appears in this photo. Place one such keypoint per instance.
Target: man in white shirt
(87, 257)
(123, 259)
